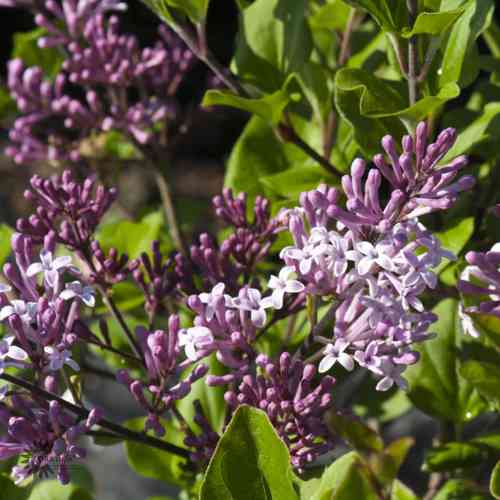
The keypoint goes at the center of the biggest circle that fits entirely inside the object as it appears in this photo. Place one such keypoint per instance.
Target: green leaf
(54, 490)
(356, 484)
(290, 183)
(455, 238)
(154, 463)
(484, 127)
(126, 296)
(6, 233)
(250, 462)
(436, 386)
(258, 153)
(321, 489)
(375, 107)
(386, 465)
(391, 15)
(26, 48)
(274, 41)
(196, 10)
(401, 492)
(453, 456)
(211, 399)
(459, 489)
(332, 15)
(10, 491)
(458, 66)
(358, 435)
(485, 377)
(495, 481)
(270, 107)
(129, 237)
(7, 104)
(433, 23)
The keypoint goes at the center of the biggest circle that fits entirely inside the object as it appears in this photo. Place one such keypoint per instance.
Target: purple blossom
(480, 284)
(295, 404)
(280, 285)
(69, 209)
(46, 434)
(165, 365)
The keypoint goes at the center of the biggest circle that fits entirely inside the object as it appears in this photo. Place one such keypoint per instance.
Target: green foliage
(26, 48)
(5, 236)
(454, 455)
(358, 435)
(129, 237)
(371, 106)
(433, 23)
(154, 463)
(250, 462)
(495, 481)
(210, 398)
(51, 490)
(274, 41)
(401, 492)
(391, 15)
(460, 62)
(436, 384)
(259, 154)
(457, 489)
(270, 107)
(485, 377)
(10, 491)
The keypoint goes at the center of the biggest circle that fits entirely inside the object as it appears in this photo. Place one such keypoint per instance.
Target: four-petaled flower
(59, 358)
(25, 310)
(7, 350)
(373, 254)
(282, 284)
(49, 266)
(252, 301)
(193, 339)
(76, 289)
(210, 299)
(335, 353)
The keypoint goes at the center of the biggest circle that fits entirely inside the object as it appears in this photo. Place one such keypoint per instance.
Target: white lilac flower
(59, 358)
(305, 256)
(49, 266)
(420, 270)
(194, 339)
(25, 310)
(280, 285)
(76, 290)
(371, 255)
(8, 351)
(251, 300)
(210, 299)
(391, 375)
(5, 288)
(335, 353)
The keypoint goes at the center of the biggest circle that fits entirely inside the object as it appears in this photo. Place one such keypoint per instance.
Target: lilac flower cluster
(164, 366)
(295, 404)
(376, 262)
(125, 87)
(369, 262)
(42, 315)
(45, 437)
(66, 208)
(249, 243)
